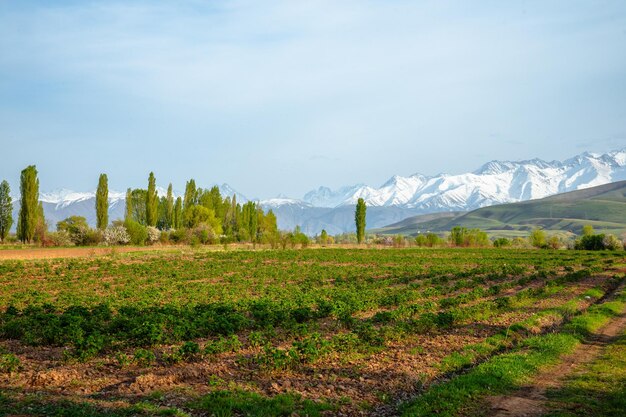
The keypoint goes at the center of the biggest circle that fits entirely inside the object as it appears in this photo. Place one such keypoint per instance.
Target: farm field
(295, 332)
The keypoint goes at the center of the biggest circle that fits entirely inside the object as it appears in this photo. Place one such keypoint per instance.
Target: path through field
(531, 400)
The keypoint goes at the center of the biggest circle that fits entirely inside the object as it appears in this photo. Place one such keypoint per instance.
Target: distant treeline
(204, 216)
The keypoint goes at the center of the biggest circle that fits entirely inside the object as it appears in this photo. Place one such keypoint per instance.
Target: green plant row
(506, 372)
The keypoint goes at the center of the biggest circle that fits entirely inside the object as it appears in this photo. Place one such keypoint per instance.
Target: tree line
(202, 216)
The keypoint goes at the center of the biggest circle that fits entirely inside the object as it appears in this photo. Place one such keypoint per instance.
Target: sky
(280, 97)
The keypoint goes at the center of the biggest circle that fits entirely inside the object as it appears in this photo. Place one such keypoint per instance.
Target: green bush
(137, 232)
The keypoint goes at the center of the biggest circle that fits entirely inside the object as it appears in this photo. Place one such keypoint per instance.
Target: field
(293, 332)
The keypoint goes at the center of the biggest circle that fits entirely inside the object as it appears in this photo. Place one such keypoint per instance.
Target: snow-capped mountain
(494, 183)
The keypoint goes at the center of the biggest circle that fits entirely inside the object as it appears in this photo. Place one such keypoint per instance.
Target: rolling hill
(603, 206)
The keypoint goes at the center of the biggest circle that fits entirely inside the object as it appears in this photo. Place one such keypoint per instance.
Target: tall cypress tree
(29, 190)
(169, 207)
(152, 202)
(102, 202)
(6, 210)
(359, 219)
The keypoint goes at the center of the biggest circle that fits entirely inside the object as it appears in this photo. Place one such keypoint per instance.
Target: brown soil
(82, 252)
(530, 401)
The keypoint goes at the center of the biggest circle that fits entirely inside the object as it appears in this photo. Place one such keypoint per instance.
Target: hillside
(603, 206)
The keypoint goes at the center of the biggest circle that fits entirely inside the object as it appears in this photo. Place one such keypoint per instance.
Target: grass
(12, 403)
(506, 372)
(250, 404)
(599, 391)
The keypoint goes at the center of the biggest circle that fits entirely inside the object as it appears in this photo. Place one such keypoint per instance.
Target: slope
(603, 206)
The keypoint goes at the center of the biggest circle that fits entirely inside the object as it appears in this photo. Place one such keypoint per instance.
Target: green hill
(603, 206)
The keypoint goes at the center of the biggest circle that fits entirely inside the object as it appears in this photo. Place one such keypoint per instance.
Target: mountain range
(602, 206)
(495, 182)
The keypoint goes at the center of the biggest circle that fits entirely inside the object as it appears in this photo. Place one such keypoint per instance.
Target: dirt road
(530, 401)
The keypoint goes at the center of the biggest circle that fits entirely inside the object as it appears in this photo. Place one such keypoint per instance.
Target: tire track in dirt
(530, 400)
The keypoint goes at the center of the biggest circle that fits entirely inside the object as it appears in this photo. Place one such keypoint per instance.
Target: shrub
(189, 350)
(153, 235)
(137, 232)
(554, 242)
(180, 235)
(205, 234)
(590, 242)
(144, 357)
(537, 238)
(611, 242)
(501, 242)
(115, 235)
(61, 238)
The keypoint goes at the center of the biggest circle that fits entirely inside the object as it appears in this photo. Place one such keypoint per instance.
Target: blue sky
(283, 96)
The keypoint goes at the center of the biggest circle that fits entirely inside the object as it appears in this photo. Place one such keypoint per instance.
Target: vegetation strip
(504, 373)
(598, 391)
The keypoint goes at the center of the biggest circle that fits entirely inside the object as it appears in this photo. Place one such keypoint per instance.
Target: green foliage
(152, 202)
(590, 242)
(136, 208)
(599, 389)
(144, 357)
(72, 224)
(169, 209)
(177, 215)
(128, 205)
(538, 238)
(462, 237)
(9, 363)
(236, 403)
(611, 242)
(359, 219)
(191, 197)
(6, 210)
(501, 242)
(102, 203)
(138, 233)
(78, 231)
(588, 230)
(29, 204)
(430, 240)
(323, 237)
(223, 344)
(504, 373)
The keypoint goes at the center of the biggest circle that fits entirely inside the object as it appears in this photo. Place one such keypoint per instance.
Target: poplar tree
(190, 194)
(177, 216)
(152, 202)
(169, 207)
(359, 219)
(102, 202)
(6, 210)
(29, 191)
(129, 205)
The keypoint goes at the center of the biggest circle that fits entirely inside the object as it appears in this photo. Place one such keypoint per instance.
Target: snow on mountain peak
(494, 182)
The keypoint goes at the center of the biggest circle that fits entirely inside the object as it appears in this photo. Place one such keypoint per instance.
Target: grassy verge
(13, 403)
(218, 404)
(599, 391)
(504, 373)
